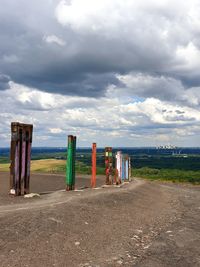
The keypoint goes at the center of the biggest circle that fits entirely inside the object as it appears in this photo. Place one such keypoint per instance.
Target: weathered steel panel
(20, 157)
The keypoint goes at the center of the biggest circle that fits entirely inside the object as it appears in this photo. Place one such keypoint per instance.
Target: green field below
(174, 175)
(54, 166)
(59, 166)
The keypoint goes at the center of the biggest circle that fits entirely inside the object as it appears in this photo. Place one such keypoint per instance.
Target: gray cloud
(144, 38)
(4, 79)
(105, 120)
(72, 66)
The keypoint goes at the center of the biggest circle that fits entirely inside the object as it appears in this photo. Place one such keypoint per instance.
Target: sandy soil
(140, 224)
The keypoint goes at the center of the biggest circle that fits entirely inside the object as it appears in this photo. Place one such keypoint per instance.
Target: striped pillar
(109, 165)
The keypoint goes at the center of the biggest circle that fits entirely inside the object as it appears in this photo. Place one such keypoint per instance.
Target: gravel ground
(140, 224)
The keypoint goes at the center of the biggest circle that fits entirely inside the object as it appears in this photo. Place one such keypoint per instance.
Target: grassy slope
(56, 166)
(43, 165)
(168, 174)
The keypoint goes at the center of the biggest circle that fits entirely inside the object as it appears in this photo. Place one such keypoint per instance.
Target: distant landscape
(177, 165)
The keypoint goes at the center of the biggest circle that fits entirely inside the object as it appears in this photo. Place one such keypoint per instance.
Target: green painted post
(74, 161)
(69, 172)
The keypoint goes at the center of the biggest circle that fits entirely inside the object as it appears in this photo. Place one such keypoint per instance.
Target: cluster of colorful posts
(20, 157)
(122, 167)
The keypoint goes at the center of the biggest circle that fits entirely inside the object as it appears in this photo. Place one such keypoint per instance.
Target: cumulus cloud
(106, 120)
(92, 41)
(162, 87)
(55, 130)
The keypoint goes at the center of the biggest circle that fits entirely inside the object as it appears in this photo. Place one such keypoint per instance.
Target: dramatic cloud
(162, 87)
(107, 68)
(106, 120)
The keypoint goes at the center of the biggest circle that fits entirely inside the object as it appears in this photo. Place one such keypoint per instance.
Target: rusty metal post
(27, 153)
(94, 159)
(20, 157)
(109, 165)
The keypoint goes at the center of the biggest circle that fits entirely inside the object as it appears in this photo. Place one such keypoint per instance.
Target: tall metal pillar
(126, 168)
(74, 162)
(109, 165)
(70, 172)
(129, 167)
(20, 156)
(94, 159)
(123, 168)
(118, 167)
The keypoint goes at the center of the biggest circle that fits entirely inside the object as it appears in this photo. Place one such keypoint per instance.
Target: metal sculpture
(20, 156)
(109, 165)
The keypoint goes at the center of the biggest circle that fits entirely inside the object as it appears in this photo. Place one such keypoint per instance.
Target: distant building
(167, 147)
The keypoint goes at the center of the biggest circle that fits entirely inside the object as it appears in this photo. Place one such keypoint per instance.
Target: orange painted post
(94, 160)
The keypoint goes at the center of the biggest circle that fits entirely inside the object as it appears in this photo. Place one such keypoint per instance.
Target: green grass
(43, 165)
(59, 166)
(168, 162)
(173, 175)
(55, 166)
(4, 160)
(82, 168)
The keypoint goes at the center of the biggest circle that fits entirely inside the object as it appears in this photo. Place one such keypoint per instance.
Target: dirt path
(141, 224)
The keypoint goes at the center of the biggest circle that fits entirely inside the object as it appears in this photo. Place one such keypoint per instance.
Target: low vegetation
(174, 175)
(43, 165)
(83, 167)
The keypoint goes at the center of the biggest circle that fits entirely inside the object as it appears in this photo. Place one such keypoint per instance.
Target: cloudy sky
(118, 72)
